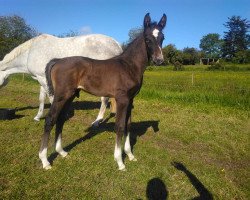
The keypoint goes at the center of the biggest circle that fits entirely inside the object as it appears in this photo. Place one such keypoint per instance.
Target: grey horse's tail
(48, 75)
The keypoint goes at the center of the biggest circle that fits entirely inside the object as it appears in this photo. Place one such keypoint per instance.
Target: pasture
(190, 134)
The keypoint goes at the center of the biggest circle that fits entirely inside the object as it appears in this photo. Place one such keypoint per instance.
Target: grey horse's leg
(100, 116)
(42, 98)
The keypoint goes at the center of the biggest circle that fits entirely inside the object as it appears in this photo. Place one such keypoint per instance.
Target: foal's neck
(136, 54)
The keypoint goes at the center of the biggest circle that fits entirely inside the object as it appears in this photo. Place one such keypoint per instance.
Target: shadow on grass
(156, 190)
(137, 129)
(86, 105)
(32, 107)
(76, 105)
(201, 189)
(13, 117)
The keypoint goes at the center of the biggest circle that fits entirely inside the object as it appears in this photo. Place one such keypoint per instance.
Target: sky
(187, 20)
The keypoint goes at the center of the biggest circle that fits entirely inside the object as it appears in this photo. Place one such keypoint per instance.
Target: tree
(134, 33)
(211, 45)
(242, 57)
(190, 56)
(236, 38)
(71, 33)
(171, 54)
(13, 32)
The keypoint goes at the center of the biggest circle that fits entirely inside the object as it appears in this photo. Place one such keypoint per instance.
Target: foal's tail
(48, 75)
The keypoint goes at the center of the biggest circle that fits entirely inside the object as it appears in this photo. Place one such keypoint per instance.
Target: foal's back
(97, 77)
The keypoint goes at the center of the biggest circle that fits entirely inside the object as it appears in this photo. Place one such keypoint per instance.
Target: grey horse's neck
(16, 65)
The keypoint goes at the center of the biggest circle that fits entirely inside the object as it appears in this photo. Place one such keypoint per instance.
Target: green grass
(203, 124)
(225, 67)
(198, 87)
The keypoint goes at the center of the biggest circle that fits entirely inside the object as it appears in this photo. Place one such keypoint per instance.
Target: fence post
(192, 79)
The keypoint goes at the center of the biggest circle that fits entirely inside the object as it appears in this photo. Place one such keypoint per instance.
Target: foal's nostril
(158, 61)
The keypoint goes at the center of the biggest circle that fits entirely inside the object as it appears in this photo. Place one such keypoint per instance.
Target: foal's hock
(119, 77)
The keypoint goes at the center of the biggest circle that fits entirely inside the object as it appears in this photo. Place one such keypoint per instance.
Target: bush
(242, 57)
(178, 66)
(216, 66)
(226, 67)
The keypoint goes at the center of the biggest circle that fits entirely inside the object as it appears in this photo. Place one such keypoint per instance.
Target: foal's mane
(138, 38)
(133, 42)
(152, 25)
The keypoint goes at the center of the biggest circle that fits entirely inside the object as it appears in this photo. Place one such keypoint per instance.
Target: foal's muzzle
(157, 56)
(158, 60)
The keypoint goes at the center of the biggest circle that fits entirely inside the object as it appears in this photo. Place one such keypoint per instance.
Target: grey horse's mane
(17, 51)
(20, 49)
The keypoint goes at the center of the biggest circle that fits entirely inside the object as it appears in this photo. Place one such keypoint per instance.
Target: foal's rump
(68, 74)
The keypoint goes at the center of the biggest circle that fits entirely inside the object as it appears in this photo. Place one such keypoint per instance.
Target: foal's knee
(119, 129)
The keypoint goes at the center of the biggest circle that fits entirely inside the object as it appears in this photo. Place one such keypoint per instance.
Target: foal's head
(154, 37)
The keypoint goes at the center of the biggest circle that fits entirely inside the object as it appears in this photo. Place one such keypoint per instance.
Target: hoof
(122, 168)
(37, 119)
(133, 159)
(47, 167)
(97, 122)
(63, 154)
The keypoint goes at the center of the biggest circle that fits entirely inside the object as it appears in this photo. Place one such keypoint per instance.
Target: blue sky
(188, 20)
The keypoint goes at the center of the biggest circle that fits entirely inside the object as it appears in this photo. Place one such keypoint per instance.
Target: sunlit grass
(213, 88)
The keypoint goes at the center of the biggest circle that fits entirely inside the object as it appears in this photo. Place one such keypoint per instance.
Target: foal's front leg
(120, 127)
(127, 146)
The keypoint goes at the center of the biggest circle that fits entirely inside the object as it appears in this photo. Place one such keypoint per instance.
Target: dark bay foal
(119, 77)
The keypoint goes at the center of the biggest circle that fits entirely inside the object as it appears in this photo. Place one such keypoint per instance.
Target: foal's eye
(147, 40)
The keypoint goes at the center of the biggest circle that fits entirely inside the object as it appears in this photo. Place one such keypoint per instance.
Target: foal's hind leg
(58, 135)
(59, 126)
(100, 116)
(127, 146)
(50, 121)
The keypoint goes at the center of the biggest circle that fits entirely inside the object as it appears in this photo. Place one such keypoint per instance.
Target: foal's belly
(95, 91)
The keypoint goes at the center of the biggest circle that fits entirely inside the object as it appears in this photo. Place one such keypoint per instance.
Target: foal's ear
(162, 22)
(147, 20)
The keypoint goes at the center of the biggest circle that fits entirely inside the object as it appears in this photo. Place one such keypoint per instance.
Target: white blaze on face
(155, 33)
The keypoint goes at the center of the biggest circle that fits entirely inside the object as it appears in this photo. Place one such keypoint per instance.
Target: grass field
(190, 136)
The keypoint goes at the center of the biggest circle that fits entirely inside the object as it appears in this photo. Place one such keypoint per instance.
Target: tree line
(232, 47)
(14, 31)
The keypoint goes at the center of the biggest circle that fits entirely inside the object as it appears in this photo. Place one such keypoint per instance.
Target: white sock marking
(59, 148)
(118, 157)
(43, 157)
(127, 148)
